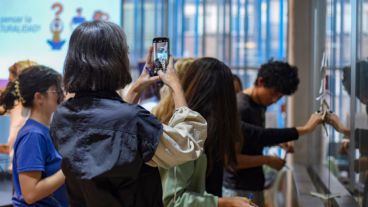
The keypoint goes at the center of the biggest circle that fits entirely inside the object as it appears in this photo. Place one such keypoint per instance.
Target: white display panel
(39, 30)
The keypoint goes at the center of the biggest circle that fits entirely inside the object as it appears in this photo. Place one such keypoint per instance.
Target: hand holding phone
(144, 80)
(169, 77)
(275, 162)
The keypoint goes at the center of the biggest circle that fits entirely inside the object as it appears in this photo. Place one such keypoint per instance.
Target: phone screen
(276, 151)
(160, 54)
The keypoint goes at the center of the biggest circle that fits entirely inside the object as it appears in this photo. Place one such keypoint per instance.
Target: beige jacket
(182, 140)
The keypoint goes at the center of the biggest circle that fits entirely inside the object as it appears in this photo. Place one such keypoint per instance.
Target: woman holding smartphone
(111, 147)
(208, 87)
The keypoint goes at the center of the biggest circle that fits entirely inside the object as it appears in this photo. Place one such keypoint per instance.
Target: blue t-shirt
(34, 151)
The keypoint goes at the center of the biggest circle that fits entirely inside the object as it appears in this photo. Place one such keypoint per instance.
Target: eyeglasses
(52, 91)
(60, 95)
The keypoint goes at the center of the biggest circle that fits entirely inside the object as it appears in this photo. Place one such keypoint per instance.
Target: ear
(260, 82)
(38, 98)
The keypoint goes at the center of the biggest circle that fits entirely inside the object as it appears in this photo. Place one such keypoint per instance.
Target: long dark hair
(97, 58)
(209, 90)
(31, 80)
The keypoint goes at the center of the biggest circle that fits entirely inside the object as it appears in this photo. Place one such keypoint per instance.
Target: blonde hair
(164, 110)
(19, 66)
(182, 65)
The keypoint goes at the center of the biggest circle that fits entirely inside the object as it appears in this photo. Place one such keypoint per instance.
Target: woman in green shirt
(209, 90)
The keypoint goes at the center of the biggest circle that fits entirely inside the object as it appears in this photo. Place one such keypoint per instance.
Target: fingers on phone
(149, 55)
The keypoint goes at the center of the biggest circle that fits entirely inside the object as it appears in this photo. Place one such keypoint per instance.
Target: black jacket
(105, 143)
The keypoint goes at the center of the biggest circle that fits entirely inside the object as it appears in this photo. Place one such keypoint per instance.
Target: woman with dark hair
(37, 178)
(208, 87)
(111, 148)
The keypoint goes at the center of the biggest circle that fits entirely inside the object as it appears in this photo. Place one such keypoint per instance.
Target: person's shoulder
(30, 134)
(123, 112)
(243, 97)
(129, 110)
(244, 101)
(98, 107)
(31, 126)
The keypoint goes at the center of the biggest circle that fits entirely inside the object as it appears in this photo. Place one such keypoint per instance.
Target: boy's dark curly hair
(279, 75)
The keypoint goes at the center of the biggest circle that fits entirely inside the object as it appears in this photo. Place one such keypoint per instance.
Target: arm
(314, 120)
(258, 136)
(235, 202)
(250, 161)
(245, 161)
(334, 121)
(255, 136)
(30, 155)
(135, 91)
(133, 94)
(34, 188)
(171, 79)
(270, 136)
(176, 183)
(182, 139)
(142, 82)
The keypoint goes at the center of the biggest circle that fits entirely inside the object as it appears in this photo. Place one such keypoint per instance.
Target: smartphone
(161, 52)
(277, 151)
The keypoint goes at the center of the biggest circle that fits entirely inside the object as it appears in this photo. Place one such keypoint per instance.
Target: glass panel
(193, 33)
(212, 20)
(337, 51)
(151, 28)
(348, 87)
(129, 26)
(242, 33)
(360, 85)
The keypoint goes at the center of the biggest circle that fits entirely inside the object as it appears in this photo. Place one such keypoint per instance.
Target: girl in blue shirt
(37, 178)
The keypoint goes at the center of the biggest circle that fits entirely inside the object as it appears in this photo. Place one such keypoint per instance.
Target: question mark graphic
(59, 9)
(56, 25)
